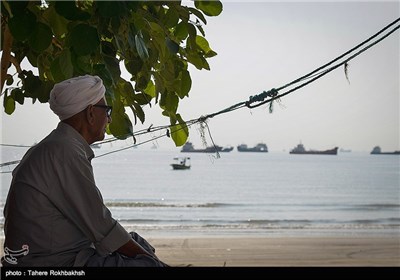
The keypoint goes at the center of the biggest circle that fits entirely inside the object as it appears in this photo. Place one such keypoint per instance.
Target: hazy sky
(262, 45)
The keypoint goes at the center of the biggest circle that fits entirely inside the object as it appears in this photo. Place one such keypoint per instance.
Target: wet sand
(278, 252)
(223, 251)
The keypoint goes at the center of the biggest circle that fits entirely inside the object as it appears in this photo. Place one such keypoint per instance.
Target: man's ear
(90, 117)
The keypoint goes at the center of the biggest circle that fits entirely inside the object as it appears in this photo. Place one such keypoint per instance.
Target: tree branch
(6, 56)
(16, 64)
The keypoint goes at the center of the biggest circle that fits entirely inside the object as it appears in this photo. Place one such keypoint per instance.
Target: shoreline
(242, 251)
(279, 251)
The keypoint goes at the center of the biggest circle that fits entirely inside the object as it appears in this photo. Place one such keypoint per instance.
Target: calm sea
(263, 194)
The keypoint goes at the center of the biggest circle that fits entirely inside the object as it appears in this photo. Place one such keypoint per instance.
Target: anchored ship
(299, 149)
(377, 151)
(189, 148)
(260, 147)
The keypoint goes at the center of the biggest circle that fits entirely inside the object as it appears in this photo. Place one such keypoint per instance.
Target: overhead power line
(274, 93)
(266, 96)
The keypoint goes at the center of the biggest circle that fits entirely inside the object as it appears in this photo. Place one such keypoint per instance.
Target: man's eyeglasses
(108, 109)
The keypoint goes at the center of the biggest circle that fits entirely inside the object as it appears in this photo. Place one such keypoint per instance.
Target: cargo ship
(260, 148)
(189, 148)
(377, 151)
(300, 150)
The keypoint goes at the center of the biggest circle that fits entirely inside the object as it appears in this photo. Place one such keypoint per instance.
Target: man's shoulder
(57, 147)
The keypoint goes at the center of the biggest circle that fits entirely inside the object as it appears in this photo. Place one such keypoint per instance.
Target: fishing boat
(260, 148)
(181, 163)
(377, 151)
(300, 150)
(189, 148)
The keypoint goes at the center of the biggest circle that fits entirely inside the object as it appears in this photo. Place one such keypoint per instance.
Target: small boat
(227, 149)
(300, 150)
(377, 151)
(181, 163)
(189, 148)
(260, 148)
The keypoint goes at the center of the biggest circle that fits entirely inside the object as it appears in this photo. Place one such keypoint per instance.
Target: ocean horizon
(248, 194)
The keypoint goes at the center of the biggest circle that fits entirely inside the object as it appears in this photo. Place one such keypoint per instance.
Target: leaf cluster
(153, 40)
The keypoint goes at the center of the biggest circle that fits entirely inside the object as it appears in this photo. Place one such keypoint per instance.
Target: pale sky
(263, 45)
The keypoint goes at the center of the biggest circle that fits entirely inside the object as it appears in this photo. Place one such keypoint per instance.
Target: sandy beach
(281, 252)
(230, 251)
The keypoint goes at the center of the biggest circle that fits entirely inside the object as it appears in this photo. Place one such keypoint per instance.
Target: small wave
(380, 206)
(376, 221)
(262, 227)
(132, 204)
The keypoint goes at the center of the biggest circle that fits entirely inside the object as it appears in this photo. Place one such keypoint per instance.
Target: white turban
(71, 96)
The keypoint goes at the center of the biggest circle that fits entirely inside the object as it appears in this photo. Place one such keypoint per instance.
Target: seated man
(54, 213)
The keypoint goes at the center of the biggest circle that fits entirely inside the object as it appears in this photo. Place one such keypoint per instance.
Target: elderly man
(54, 213)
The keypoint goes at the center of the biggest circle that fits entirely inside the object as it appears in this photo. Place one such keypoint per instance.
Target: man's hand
(132, 248)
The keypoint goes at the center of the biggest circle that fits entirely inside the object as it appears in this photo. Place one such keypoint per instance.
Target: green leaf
(18, 95)
(35, 88)
(112, 65)
(198, 14)
(66, 64)
(82, 64)
(195, 59)
(115, 24)
(141, 46)
(32, 58)
(200, 28)
(171, 18)
(181, 31)
(57, 23)
(69, 10)
(210, 8)
(9, 104)
(180, 131)
(205, 63)
(202, 43)
(191, 40)
(139, 21)
(171, 102)
(142, 98)
(102, 71)
(142, 81)
(22, 25)
(111, 8)
(61, 68)
(41, 37)
(17, 7)
(172, 46)
(121, 126)
(210, 54)
(31, 84)
(192, 32)
(9, 80)
(108, 48)
(139, 112)
(168, 74)
(126, 92)
(186, 83)
(150, 89)
(84, 39)
(43, 92)
(133, 65)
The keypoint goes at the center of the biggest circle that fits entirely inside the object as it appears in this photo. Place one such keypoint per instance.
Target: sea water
(263, 194)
